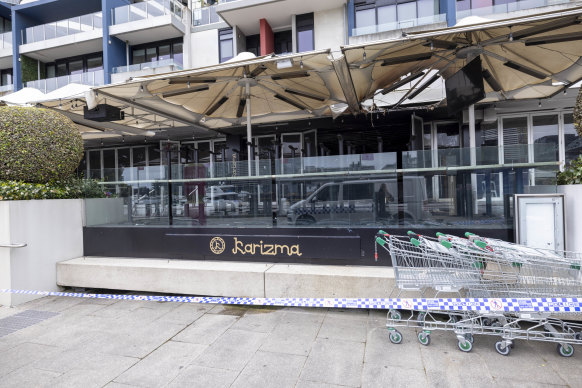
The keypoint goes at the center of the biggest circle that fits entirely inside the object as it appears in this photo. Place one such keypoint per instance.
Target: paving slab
(335, 362)
(207, 329)
(196, 376)
(161, 366)
(232, 350)
(28, 377)
(381, 376)
(346, 328)
(22, 355)
(268, 369)
(260, 320)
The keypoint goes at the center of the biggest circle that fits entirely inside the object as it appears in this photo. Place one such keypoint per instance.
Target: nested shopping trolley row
(476, 267)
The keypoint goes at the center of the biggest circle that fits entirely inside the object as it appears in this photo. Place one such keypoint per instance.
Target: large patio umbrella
(257, 90)
(523, 58)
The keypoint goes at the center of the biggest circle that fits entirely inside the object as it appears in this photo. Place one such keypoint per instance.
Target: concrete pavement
(105, 343)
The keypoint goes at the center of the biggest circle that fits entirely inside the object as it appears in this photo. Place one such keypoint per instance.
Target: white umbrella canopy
(522, 58)
(25, 96)
(281, 88)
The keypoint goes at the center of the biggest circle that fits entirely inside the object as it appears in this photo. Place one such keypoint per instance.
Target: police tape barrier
(553, 305)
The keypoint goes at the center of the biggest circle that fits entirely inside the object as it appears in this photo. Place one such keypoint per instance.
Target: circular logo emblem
(496, 304)
(217, 245)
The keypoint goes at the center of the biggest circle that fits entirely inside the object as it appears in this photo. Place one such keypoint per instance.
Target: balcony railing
(6, 40)
(398, 25)
(510, 7)
(148, 9)
(62, 28)
(92, 78)
(205, 15)
(6, 88)
(148, 65)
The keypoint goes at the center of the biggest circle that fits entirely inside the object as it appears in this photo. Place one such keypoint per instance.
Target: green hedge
(71, 188)
(37, 145)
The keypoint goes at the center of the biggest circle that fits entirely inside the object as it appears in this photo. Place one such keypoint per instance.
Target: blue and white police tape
(553, 305)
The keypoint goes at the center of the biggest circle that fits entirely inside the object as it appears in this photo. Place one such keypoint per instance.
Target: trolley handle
(410, 233)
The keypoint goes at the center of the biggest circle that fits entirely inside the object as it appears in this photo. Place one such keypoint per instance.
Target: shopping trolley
(471, 266)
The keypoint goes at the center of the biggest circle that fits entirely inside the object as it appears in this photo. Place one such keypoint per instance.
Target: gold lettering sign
(218, 245)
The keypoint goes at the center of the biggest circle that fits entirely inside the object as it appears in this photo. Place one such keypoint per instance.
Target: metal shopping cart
(480, 271)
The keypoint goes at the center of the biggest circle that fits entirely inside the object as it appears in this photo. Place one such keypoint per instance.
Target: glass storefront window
(109, 165)
(545, 138)
(139, 156)
(406, 12)
(95, 164)
(95, 63)
(305, 32)
(387, 14)
(515, 140)
(572, 142)
(151, 54)
(76, 66)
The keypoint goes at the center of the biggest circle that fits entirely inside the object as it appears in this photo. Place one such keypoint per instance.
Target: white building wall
(204, 48)
(329, 29)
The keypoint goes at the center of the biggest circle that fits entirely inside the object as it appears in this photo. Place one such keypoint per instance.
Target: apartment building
(47, 44)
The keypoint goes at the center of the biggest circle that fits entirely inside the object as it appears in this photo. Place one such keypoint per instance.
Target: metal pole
(249, 130)
(473, 153)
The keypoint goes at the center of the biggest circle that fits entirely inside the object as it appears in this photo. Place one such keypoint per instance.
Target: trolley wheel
(565, 350)
(395, 314)
(469, 337)
(502, 349)
(424, 338)
(497, 324)
(465, 346)
(578, 336)
(453, 318)
(421, 316)
(395, 337)
(486, 322)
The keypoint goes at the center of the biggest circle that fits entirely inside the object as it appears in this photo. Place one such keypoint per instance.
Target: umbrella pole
(249, 130)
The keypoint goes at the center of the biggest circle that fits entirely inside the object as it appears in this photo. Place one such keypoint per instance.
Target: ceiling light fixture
(295, 74)
(217, 105)
(493, 83)
(180, 92)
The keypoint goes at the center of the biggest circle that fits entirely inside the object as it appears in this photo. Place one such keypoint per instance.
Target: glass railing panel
(156, 8)
(6, 40)
(509, 7)
(205, 15)
(6, 88)
(397, 25)
(63, 28)
(121, 15)
(137, 11)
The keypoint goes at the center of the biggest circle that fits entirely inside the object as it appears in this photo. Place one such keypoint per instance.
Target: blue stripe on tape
(561, 305)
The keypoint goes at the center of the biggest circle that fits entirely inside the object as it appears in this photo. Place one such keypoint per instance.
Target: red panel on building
(267, 38)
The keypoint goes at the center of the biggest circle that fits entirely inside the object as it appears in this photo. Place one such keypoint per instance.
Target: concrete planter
(53, 232)
(573, 216)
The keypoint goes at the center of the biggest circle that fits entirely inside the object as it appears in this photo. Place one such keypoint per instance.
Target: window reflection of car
(357, 202)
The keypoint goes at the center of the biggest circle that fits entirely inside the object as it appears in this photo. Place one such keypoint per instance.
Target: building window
(226, 44)
(383, 15)
(76, 65)
(304, 25)
(283, 42)
(157, 51)
(254, 44)
(6, 77)
(5, 25)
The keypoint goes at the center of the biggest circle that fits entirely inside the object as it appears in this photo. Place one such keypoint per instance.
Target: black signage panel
(290, 247)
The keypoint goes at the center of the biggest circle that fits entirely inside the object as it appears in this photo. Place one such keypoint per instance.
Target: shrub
(71, 188)
(572, 175)
(37, 145)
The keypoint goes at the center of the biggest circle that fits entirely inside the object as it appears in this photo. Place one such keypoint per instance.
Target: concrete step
(224, 278)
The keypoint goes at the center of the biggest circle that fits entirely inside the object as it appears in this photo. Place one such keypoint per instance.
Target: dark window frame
(222, 33)
(66, 61)
(157, 44)
(305, 22)
(375, 4)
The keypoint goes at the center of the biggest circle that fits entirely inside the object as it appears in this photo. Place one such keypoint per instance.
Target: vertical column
(267, 38)
(19, 25)
(473, 156)
(449, 7)
(187, 46)
(351, 14)
(294, 33)
(114, 50)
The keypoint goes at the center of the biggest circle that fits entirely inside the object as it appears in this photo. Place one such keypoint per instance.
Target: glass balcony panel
(137, 11)
(50, 31)
(74, 26)
(62, 28)
(157, 7)
(121, 14)
(6, 40)
(86, 23)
